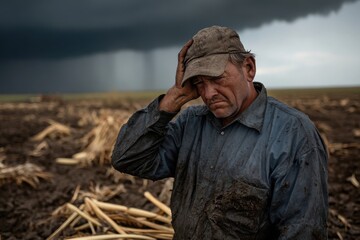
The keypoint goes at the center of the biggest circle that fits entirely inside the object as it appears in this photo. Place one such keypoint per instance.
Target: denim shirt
(264, 176)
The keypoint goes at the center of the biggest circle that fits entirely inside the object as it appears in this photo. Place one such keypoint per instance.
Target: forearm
(137, 149)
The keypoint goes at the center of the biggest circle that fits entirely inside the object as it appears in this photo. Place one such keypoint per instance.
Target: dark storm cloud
(68, 28)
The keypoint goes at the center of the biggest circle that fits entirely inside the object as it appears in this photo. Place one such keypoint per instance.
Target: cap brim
(213, 66)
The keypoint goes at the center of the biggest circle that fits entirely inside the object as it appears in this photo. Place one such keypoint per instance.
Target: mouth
(216, 104)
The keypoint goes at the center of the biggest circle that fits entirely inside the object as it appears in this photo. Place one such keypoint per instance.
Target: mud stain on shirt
(238, 211)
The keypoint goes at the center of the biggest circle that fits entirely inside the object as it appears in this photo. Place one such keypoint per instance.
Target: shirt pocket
(237, 211)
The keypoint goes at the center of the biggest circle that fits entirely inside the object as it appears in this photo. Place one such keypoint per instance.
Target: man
(246, 166)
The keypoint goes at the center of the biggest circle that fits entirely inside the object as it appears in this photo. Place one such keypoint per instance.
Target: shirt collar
(252, 117)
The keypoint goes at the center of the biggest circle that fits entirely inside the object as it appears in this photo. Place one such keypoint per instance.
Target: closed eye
(217, 79)
(196, 81)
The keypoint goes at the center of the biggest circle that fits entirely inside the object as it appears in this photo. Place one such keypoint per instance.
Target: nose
(209, 90)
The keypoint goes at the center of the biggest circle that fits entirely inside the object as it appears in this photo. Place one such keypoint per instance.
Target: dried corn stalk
(55, 128)
(40, 149)
(28, 173)
(165, 194)
(103, 218)
(2, 157)
(119, 177)
(323, 127)
(343, 102)
(158, 203)
(104, 193)
(353, 180)
(340, 217)
(356, 132)
(99, 142)
(339, 235)
(333, 147)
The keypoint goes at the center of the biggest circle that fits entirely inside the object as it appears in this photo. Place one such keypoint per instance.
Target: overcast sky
(109, 45)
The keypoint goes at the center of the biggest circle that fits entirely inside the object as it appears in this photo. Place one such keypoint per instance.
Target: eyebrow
(197, 79)
(214, 78)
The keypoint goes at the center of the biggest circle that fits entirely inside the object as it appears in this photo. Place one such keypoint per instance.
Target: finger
(181, 66)
(184, 50)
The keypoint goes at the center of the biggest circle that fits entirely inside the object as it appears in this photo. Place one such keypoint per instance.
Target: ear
(249, 68)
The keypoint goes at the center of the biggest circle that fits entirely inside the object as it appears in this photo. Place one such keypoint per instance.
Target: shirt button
(222, 133)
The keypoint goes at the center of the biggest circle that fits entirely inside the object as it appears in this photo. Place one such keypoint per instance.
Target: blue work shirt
(264, 176)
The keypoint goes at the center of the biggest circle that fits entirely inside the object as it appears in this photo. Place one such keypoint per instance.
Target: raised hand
(178, 95)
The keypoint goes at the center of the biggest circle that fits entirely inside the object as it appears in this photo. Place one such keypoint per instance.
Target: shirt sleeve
(299, 203)
(140, 150)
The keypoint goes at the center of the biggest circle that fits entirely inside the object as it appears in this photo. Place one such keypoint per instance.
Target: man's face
(228, 94)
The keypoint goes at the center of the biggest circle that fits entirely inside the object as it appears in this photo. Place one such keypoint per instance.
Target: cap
(210, 50)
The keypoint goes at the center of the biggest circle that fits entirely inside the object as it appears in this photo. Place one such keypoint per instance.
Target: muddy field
(63, 148)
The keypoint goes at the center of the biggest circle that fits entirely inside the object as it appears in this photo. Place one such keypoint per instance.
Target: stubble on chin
(222, 112)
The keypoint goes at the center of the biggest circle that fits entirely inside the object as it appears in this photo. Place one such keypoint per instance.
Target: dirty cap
(209, 53)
